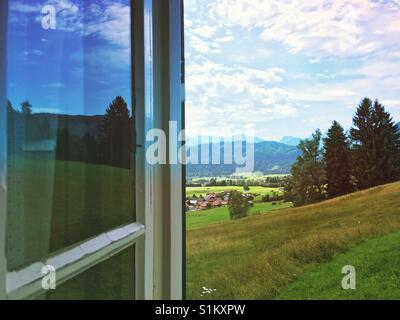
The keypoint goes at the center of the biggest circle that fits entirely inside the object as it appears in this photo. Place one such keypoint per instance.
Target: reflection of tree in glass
(63, 145)
(10, 108)
(26, 108)
(117, 134)
(91, 148)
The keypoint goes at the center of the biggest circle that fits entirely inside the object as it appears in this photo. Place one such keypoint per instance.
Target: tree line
(366, 156)
(112, 145)
(268, 182)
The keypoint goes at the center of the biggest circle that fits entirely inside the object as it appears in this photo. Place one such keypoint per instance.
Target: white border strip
(27, 283)
(3, 145)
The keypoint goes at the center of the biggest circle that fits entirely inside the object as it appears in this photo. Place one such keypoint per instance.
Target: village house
(214, 200)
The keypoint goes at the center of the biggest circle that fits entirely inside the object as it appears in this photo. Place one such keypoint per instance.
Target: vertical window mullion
(149, 172)
(143, 279)
(176, 95)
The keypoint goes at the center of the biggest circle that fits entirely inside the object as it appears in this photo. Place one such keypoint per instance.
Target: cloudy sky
(77, 68)
(277, 67)
(287, 67)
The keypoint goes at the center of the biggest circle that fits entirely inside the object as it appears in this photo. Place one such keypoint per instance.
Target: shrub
(265, 198)
(238, 206)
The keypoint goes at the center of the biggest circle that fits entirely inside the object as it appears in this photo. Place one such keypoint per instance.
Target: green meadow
(55, 204)
(275, 255)
(377, 265)
(60, 203)
(197, 219)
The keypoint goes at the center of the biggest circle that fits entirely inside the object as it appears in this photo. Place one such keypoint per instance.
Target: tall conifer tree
(337, 161)
(376, 145)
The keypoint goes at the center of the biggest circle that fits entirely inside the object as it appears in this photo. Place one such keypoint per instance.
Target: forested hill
(270, 157)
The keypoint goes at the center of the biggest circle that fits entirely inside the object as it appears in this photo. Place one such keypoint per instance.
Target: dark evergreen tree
(10, 108)
(376, 145)
(26, 108)
(337, 161)
(64, 147)
(91, 149)
(117, 134)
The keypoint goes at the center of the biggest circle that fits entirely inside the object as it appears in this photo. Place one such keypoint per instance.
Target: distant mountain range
(290, 141)
(270, 157)
(194, 141)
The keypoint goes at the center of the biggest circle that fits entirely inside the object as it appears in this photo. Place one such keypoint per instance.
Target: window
(80, 196)
(70, 128)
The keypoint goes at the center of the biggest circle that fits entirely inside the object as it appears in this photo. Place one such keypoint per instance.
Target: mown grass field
(197, 219)
(60, 203)
(198, 191)
(261, 256)
(377, 264)
(54, 204)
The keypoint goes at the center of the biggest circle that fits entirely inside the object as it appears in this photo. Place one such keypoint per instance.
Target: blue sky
(79, 67)
(277, 67)
(287, 67)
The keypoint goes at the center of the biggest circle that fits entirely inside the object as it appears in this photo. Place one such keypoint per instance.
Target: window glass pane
(70, 124)
(112, 279)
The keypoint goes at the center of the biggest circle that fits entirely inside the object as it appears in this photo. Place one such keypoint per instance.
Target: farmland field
(245, 175)
(190, 191)
(262, 256)
(197, 219)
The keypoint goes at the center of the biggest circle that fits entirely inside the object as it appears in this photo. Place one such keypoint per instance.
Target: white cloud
(110, 20)
(203, 46)
(380, 69)
(205, 31)
(323, 28)
(392, 103)
(225, 39)
(227, 98)
(112, 24)
(25, 7)
(230, 81)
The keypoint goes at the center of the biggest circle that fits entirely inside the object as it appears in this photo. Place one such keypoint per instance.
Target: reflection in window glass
(70, 124)
(112, 279)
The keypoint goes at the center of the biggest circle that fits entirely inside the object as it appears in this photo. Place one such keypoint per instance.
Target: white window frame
(157, 233)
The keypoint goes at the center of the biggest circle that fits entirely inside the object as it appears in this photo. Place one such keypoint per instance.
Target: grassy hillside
(260, 256)
(377, 264)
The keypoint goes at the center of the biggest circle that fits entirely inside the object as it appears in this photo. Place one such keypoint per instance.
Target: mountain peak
(290, 141)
